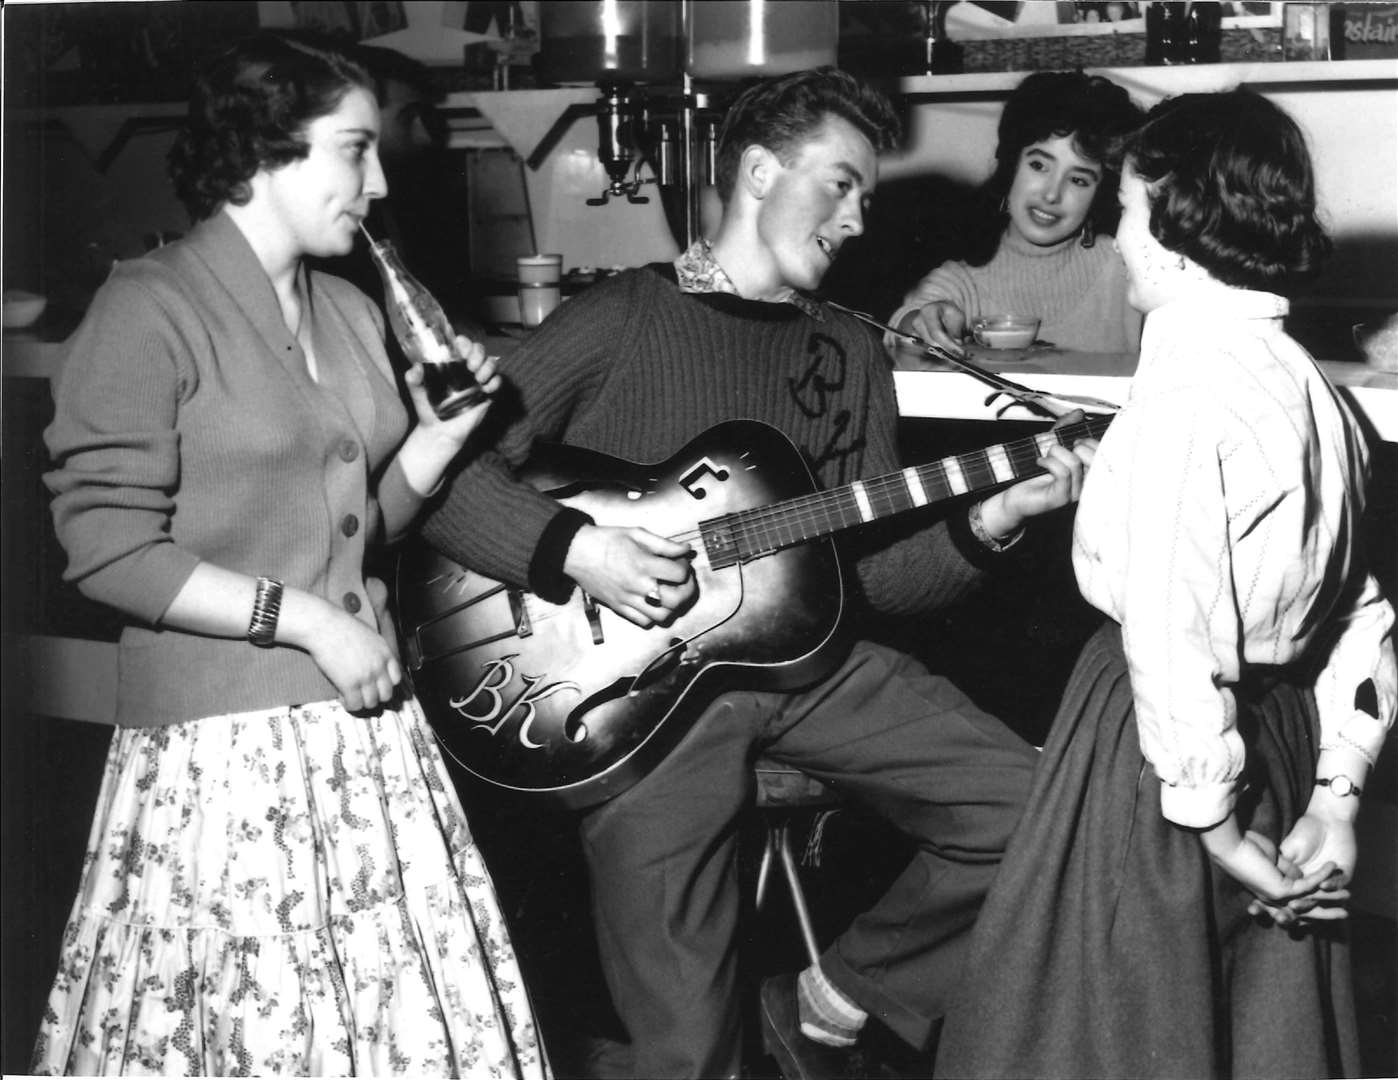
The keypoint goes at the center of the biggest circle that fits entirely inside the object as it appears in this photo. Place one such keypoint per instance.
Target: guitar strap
(1038, 400)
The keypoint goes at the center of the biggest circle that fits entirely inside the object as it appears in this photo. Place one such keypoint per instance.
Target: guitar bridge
(594, 618)
(519, 614)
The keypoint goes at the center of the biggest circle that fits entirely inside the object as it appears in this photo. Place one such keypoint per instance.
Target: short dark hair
(250, 108)
(779, 113)
(1231, 187)
(1093, 110)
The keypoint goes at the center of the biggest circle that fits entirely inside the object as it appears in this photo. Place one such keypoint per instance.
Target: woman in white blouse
(1172, 904)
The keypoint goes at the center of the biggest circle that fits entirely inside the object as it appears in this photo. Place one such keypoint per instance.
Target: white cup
(540, 289)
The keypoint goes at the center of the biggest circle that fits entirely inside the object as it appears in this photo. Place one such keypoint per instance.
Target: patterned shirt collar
(1225, 302)
(699, 272)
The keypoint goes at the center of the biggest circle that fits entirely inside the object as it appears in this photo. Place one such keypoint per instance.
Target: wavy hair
(249, 110)
(1232, 187)
(1095, 112)
(782, 112)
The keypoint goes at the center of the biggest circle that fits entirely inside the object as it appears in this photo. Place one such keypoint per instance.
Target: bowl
(22, 308)
(1005, 331)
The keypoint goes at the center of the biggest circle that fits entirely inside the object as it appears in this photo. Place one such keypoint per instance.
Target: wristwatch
(1340, 785)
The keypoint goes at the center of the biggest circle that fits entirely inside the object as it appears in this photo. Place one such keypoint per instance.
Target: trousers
(662, 857)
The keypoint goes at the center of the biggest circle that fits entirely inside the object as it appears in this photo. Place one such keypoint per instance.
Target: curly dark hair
(249, 109)
(1231, 186)
(781, 112)
(1094, 111)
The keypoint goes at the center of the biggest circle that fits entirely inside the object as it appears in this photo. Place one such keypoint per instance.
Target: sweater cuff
(144, 583)
(398, 502)
(546, 577)
(1200, 807)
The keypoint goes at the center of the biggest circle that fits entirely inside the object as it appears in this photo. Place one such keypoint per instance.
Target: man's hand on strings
(1060, 484)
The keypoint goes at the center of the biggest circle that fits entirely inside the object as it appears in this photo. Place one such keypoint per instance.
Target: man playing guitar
(636, 366)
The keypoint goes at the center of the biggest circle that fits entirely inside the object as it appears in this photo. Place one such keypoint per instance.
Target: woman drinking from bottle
(280, 877)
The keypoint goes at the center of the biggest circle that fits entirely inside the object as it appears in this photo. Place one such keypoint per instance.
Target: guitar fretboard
(748, 534)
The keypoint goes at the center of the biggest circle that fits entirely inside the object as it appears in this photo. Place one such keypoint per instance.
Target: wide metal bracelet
(266, 606)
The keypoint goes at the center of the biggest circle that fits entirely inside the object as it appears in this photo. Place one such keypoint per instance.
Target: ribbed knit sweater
(1079, 293)
(635, 368)
(187, 429)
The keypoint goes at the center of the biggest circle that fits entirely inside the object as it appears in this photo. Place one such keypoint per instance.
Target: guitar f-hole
(692, 478)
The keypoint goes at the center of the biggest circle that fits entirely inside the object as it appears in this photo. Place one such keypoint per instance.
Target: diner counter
(1371, 392)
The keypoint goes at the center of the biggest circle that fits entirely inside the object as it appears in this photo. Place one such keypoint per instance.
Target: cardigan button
(349, 450)
(352, 603)
(349, 525)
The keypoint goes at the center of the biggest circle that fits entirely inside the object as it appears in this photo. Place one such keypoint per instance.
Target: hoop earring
(1089, 233)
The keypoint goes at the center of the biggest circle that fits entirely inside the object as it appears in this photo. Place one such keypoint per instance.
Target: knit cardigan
(1078, 293)
(187, 429)
(635, 368)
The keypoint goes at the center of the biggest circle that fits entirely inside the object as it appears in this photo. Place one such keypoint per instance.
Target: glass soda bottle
(425, 334)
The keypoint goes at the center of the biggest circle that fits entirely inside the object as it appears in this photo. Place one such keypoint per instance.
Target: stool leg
(798, 895)
(764, 869)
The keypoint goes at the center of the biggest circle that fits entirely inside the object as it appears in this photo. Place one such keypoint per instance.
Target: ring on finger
(653, 597)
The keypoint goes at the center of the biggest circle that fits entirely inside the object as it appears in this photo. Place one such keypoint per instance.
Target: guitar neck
(748, 534)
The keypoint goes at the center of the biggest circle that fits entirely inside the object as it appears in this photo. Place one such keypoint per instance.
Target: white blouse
(1219, 525)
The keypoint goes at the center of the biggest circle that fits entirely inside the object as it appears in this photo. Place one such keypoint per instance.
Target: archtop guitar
(572, 701)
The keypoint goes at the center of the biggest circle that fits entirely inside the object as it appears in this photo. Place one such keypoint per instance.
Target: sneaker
(799, 1057)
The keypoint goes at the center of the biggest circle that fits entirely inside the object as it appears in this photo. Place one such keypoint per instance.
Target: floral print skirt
(292, 891)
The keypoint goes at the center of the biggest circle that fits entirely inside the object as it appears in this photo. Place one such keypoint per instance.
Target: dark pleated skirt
(1110, 946)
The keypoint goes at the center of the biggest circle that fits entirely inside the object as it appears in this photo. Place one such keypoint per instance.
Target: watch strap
(1340, 785)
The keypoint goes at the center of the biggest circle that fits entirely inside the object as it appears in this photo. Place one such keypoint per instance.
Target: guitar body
(571, 700)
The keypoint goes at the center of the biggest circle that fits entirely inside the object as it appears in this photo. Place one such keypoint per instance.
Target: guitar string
(817, 506)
